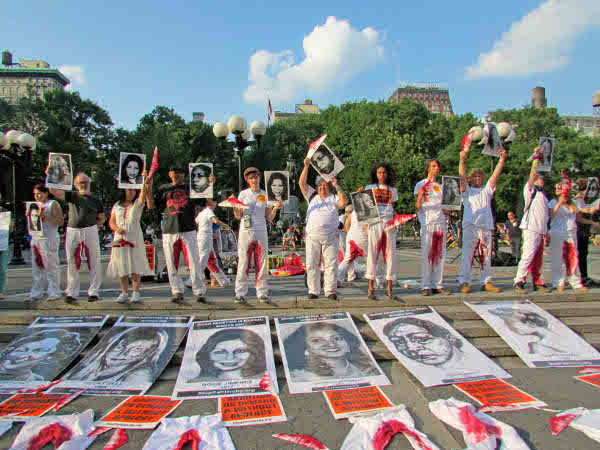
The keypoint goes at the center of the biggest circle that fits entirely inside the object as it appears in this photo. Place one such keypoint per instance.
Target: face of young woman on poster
(230, 355)
(132, 169)
(199, 179)
(323, 161)
(126, 353)
(327, 343)
(277, 187)
(29, 354)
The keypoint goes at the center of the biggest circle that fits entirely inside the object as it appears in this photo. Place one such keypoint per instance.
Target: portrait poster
(131, 166)
(498, 395)
(33, 213)
(324, 161)
(4, 230)
(277, 185)
(251, 410)
(60, 172)
(433, 351)
(44, 350)
(228, 244)
(356, 402)
(325, 352)
(140, 412)
(451, 198)
(536, 336)
(129, 358)
(226, 358)
(493, 143)
(547, 148)
(22, 407)
(590, 196)
(365, 206)
(200, 185)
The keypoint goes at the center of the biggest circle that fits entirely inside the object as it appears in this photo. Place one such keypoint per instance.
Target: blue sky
(130, 56)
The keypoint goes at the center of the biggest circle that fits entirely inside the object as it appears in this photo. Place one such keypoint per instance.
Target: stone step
(479, 328)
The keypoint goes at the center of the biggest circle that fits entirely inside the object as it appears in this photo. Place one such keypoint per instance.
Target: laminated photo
(547, 147)
(493, 143)
(365, 206)
(60, 172)
(590, 196)
(451, 198)
(277, 187)
(324, 352)
(537, 337)
(131, 166)
(433, 351)
(200, 185)
(325, 162)
(33, 212)
(225, 358)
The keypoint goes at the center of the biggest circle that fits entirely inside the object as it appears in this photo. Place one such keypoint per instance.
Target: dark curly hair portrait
(391, 173)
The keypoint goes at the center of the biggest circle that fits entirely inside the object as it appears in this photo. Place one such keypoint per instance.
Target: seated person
(289, 238)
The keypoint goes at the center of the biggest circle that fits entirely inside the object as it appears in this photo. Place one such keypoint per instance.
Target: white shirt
(385, 197)
(565, 220)
(357, 231)
(50, 230)
(204, 221)
(431, 210)
(478, 207)
(257, 202)
(322, 213)
(535, 216)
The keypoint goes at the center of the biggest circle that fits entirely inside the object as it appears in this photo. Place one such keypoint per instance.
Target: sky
(225, 58)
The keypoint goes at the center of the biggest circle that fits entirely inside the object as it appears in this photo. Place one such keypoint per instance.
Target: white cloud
(75, 74)
(540, 42)
(334, 52)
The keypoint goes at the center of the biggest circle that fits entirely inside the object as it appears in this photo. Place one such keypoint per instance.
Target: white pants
(565, 261)
(342, 247)
(173, 245)
(209, 259)
(81, 242)
(45, 267)
(477, 243)
(252, 246)
(433, 254)
(532, 257)
(384, 242)
(354, 249)
(315, 245)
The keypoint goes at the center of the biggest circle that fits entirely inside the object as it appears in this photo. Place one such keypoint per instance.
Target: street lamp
(15, 153)
(239, 127)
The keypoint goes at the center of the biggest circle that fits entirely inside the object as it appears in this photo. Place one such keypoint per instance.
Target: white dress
(127, 260)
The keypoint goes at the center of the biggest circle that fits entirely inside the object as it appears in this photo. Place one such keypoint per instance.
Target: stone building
(435, 97)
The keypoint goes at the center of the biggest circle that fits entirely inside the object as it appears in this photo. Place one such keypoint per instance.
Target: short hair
(432, 328)
(539, 176)
(391, 173)
(476, 171)
(83, 175)
(428, 164)
(581, 184)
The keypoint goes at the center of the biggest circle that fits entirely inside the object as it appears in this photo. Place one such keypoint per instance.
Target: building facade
(584, 125)
(435, 97)
(304, 108)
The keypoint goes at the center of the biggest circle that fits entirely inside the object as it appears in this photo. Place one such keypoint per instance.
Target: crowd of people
(334, 241)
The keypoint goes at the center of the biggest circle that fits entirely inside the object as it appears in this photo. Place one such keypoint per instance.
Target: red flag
(399, 219)
(269, 111)
(154, 164)
(566, 183)
(316, 144)
(467, 141)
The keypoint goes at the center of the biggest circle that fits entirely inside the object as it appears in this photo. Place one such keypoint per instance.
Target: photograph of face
(60, 171)
(39, 356)
(34, 219)
(365, 206)
(591, 191)
(130, 171)
(231, 354)
(323, 161)
(494, 143)
(547, 146)
(277, 187)
(200, 186)
(451, 193)
(228, 243)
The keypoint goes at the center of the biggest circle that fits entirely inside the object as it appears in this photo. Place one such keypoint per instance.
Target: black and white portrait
(60, 171)
(130, 170)
(451, 193)
(365, 206)
(228, 243)
(494, 143)
(34, 218)
(547, 147)
(325, 162)
(591, 191)
(200, 185)
(278, 187)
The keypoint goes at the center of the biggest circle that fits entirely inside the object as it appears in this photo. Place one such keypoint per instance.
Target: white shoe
(53, 299)
(136, 298)
(31, 299)
(123, 298)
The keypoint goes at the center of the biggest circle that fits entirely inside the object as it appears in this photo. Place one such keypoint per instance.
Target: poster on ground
(200, 185)
(251, 410)
(22, 407)
(129, 358)
(356, 402)
(324, 352)
(226, 358)
(44, 350)
(59, 174)
(499, 394)
(139, 412)
(536, 336)
(433, 351)
(131, 166)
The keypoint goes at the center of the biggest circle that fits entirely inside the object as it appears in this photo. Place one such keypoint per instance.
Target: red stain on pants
(570, 258)
(435, 252)
(37, 257)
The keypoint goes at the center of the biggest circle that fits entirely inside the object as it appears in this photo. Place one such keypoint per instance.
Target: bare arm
(271, 212)
(347, 224)
(303, 176)
(343, 200)
(533, 173)
(112, 223)
(494, 178)
(57, 215)
(221, 224)
(554, 211)
(461, 171)
(58, 193)
(419, 199)
(101, 219)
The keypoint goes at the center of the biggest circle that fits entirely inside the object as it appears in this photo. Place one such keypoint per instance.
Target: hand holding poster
(139, 412)
(59, 174)
(35, 224)
(451, 198)
(365, 206)
(278, 187)
(200, 184)
(131, 167)
(324, 160)
(547, 147)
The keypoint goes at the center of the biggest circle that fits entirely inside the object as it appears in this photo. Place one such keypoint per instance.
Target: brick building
(434, 97)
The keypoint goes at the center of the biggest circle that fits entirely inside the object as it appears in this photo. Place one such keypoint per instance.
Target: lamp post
(15, 154)
(239, 127)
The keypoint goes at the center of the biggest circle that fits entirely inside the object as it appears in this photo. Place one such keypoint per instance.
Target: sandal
(390, 295)
(371, 294)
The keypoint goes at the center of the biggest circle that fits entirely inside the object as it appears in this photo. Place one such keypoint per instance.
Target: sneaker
(53, 298)
(123, 298)
(92, 298)
(70, 300)
(239, 299)
(519, 288)
(312, 296)
(541, 288)
(489, 287)
(581, 289)
(426, 292)
(136, 298)
(465, 288)
(561, 288)
(201, 298)
(31, 299)
(178, 299)
(263, 299)
(441, 291)
(332, 296)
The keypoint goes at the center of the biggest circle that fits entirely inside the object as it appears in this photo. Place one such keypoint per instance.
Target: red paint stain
(37, 257)
(391, 427)
(435, 252)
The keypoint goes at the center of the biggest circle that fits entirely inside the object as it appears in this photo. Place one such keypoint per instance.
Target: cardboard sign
(500, 393)
(151, 255)
(251, 410)
(25, 406)
(139, 412)
(591, 379)
(356, 402)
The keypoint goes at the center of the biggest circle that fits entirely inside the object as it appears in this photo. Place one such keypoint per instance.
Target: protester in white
(383, 180)
(478, 223)
(535, 227)
(253, 244)
(86, 215)
(563, 229)
(7, 226)
(45, 265)
(322, 234)
(428, 194)
(345, 221)
(128, 256)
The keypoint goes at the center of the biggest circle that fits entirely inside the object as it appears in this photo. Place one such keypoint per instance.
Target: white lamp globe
(477, 133)
(220, 130)
(12, 136)
(26, 141)
(504, 129)
(246, 135)
(258, 128)
(3, 140)
(237, 125)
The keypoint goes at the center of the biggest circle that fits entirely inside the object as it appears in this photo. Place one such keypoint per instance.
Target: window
(18, 90)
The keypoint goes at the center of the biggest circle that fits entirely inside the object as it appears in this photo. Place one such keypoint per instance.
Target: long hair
(123, 196)
(256, 364)
(428, 164)
(129, 158)
(58, 173)
(391, 173)
(284, 180)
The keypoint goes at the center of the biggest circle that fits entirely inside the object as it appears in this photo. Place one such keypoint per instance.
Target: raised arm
(58, 193)
(461, 171)
(347, 224)
(533, 173)
(498, 169)
(57, 215)
(419, 199)
(343, 200)
(303, 176)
